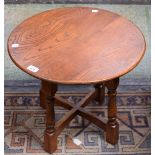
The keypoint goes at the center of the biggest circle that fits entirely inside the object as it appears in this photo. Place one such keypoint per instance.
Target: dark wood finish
(50, 139)
(76, 45)
(100, 88)
(80, 108)
(92, 118)
(61, 124)
(53, 129)
(46, 90)
(112, 130)
(63, 103)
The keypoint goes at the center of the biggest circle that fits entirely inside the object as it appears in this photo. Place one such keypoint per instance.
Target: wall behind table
(79, 1)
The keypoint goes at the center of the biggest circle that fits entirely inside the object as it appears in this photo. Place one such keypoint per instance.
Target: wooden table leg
(100, 89)
(50, 138)
(53, 129)
(112, 129)
(45, 91)
(45, 87)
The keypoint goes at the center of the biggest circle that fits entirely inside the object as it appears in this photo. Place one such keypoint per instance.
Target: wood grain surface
(76, 45)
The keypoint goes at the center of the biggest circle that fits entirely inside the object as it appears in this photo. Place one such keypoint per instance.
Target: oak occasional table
(78, 45)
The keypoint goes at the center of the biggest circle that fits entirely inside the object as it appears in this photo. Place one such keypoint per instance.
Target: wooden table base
(48, 98)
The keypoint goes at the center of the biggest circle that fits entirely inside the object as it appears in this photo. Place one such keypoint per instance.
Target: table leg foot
(50, 142)
(112, 133)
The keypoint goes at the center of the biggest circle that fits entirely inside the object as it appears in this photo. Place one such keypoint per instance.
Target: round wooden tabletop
(78, 45)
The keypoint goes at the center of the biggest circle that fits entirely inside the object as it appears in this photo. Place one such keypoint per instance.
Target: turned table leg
(100, 89)
(112, 129)
(50, 138)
